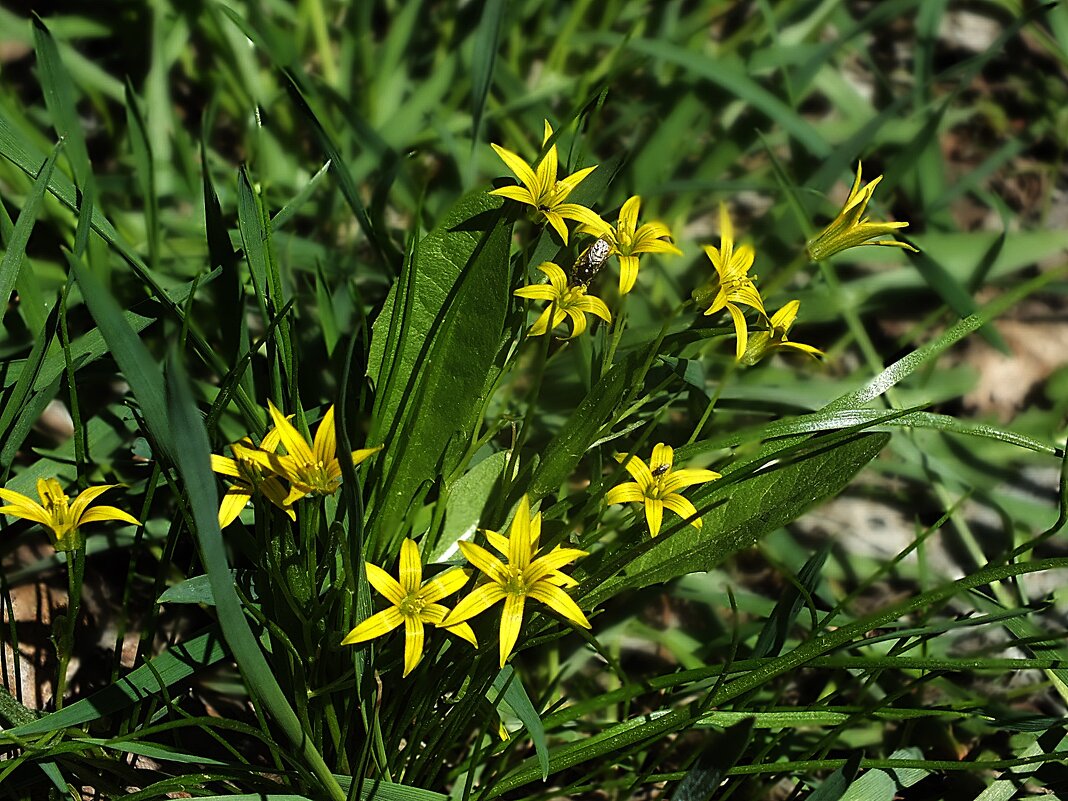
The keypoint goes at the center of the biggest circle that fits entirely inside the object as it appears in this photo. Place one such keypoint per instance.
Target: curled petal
(566, 186)
(573, 211)
(99, 514)
(361, 455)
(86, 497)
(557, 222)
(740, 329)
(594, 305)
(628, 215)
(541, 325)
(578, 322)
(26, 508)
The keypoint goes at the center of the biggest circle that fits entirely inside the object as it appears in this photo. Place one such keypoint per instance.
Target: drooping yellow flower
(522, 576)
(764, 342)
(657, 486)
(311, 469)
(56, 513)
(414, 603)
(568, 301)
(851, 228)
(735, 285)
(543, 191)
(249, 477)
(628, 241)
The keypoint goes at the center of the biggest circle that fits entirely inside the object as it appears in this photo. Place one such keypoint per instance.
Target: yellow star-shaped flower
(628, 241)
(312, 469)
(522, 576)
(657, 485)
(565, 301)
(541, 189)
(735, 285)
(764, 342)
(56, 513)
(851, 228)
(414, 603)
(249, 477)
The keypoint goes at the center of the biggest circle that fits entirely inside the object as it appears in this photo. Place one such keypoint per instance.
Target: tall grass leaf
(729, 75)
(483, 60)
(577, 434)
(59, 98)
(176, 664)
(378, 790)
(508, 687)
(725, 749)
(137, 365)
(777, 627)
(194, 467)
(15, 251)
(145, 169)
(15, 401)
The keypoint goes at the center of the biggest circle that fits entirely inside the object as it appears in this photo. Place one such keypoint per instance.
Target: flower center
(411, 605)
(514, 583)
(316, 476)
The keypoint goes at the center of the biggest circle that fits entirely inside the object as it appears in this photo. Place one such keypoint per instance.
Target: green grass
(206, 207)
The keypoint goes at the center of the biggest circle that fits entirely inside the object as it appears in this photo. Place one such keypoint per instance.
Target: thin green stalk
(65, 645)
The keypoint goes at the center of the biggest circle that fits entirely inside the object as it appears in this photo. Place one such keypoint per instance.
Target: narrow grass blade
(59, 97)
(16, 245)
(508, 687)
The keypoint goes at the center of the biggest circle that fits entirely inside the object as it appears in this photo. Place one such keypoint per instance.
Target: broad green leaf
(834, 786)
(467, 498)
(874, 785)
(508, 687)
(777, 627)
(466, 266)
(197, 590)
(740, 513)
(439, 259)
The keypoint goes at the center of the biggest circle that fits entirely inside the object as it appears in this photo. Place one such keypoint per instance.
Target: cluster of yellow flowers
(309, 468)
(731, 288)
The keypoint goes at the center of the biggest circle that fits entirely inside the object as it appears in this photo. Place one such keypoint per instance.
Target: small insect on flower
(660, 469)
(590, 262)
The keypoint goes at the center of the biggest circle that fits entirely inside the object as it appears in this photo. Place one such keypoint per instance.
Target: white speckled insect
(590, 261)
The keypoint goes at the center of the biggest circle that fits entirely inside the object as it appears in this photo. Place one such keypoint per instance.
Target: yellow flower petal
(410, 571)
(295, 444)
(224, 466)
(595, 306)
(233, 501)
(558, 224)
(662, 455)
(484, 561)
(654, 514)
(375, 626)
(624, 493)
(677, 479)
(560, 602)
(537, 292)
(566, 186)
(86, 497)
(413, 644)
(518, 166)
(519, 551)
(498, 541)
(550, 563)
(578, 322)
(638, 470)
(324, 448)
(100, 514)
(740, 329)
(628, 273)
(476, 603)
(520, 194)
(557, 277)
(446, 584)
(628, 216)
(384, 583)
(511, 622)
(683, 508)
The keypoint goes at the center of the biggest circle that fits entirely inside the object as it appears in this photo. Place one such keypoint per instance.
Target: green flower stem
(65, 645)
(528, 415)
(697, 429)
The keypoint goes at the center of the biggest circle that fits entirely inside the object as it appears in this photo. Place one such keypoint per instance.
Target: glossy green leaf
(508, 687)
(467, 498)
(451, 338)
